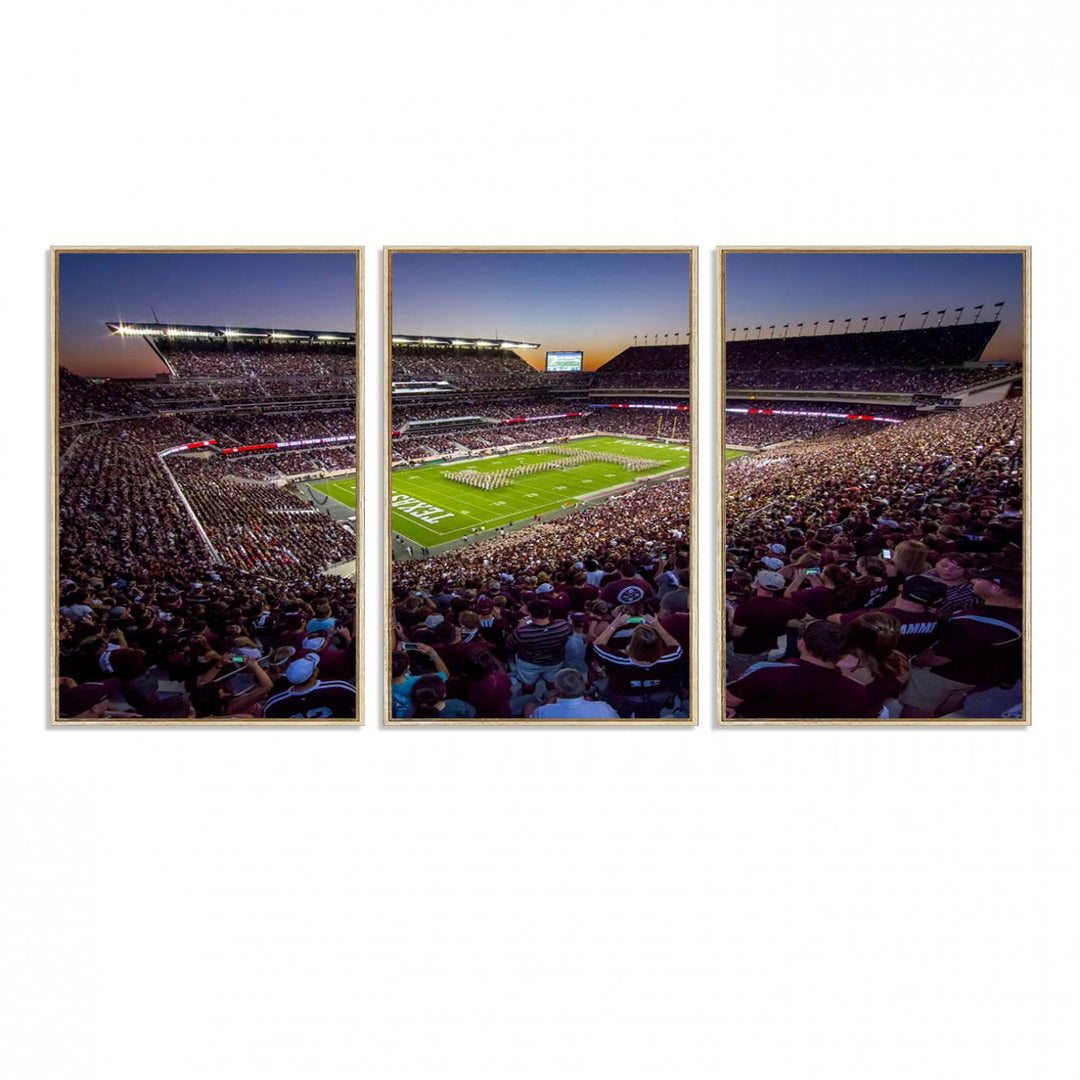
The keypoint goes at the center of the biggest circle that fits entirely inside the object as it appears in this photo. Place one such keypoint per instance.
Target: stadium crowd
(150, 624)
(893, 380)
(82, 400)
(879, 575)
(492, 407)
(764, 429)
(176, 638)
(205, 360)
(648, 366)
(467, 368)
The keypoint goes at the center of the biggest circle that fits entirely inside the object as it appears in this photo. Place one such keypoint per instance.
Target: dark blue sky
(761, 289)
(594, 301)
(314, 291)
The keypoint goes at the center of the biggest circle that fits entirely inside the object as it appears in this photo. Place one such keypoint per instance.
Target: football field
(343, 490)
(731, 455)
(430, 510)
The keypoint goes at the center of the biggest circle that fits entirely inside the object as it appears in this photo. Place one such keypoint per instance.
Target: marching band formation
(568, 458)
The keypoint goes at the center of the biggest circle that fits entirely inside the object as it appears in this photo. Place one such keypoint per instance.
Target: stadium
(207, 528)
(540, 528)
(873, 511)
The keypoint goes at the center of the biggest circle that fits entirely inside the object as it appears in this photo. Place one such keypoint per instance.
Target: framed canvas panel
(541, 410)
(208, 516)
(874, 511)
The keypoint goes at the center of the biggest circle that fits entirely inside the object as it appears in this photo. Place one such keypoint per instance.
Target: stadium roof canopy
(176, 332)
(457, 342)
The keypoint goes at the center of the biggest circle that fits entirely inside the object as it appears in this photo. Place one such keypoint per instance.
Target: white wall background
(532, 904)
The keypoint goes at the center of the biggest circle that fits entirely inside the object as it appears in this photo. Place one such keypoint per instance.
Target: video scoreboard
(565, 361)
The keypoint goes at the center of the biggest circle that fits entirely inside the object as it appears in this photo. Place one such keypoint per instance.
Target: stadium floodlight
(758, 329)
(924, 315)
(997, 310)
(959, 311)
(814, 334)
(847, 324)
(746, 332)
(785, 329)
(772, 329)
(798, 326)
(902, 318)
(882, 326)
(940, 316)
(831, 321)
(865, 320)
(978, 312)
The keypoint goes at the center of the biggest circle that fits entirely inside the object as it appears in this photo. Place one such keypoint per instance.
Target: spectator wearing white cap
(308, 697)
(758, 622)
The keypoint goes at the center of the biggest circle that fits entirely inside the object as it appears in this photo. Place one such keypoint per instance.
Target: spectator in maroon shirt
(629, 588)
(872, 581)
(811, 687)
(487, 686)
(977, 649)
(455, 645)
(557, 599)
(308, 697)
(875, 659)
(916, 611)
(758, 622)
(829, 592)
(581, 592)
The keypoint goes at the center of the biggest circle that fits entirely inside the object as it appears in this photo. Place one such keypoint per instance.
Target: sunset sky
(592, 301)
(765, 288)
(286, 290)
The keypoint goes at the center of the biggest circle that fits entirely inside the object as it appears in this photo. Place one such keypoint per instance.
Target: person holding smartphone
(403, 679)
(641, 678)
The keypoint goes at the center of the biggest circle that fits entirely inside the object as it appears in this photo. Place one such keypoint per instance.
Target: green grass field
(343, 489)
(430, 510)
(731, 455)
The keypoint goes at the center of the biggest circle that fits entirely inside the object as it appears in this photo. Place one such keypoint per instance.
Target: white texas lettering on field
(417, 509)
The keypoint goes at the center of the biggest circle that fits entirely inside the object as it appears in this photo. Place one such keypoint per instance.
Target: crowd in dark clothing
(205, 641)
(881, 575)
(150, 624)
